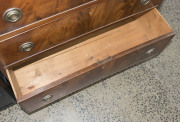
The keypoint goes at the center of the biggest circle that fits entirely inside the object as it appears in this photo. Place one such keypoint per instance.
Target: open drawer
(46, 80)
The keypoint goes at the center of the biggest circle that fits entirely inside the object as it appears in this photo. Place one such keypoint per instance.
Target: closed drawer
(35, 10)
(68, 28)
(44, 81)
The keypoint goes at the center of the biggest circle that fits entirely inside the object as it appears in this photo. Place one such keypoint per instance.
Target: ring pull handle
(145, 2)
(12, 15)
(26, 47)
(150, 51)
(47, 97)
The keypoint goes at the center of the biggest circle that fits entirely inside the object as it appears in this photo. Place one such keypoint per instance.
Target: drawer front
(103, 69)
(67, 29)
(113, 10)
(34, 10)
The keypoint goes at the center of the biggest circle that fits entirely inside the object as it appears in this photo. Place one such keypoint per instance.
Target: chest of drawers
(50, 49)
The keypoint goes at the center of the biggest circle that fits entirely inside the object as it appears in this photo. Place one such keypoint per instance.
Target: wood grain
(14, 85)
(130, 35)
(88, 76)
(70, 60)
(67, 27)
(82, 64)
(35, 10)
(42, 73)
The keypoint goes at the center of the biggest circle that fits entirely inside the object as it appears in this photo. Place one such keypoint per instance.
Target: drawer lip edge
(93, 66)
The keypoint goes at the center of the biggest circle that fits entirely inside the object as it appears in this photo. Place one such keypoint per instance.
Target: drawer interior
(41, 75)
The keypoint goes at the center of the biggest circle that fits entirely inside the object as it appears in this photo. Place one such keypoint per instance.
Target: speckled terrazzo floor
(147, 92)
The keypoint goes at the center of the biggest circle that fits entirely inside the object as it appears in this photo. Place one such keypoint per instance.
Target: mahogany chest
(52, 48)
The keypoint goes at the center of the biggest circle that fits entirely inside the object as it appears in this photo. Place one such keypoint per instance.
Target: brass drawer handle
(13, 15)
(47, 97)
(26, 47)
(149, 52)
(145, 2)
